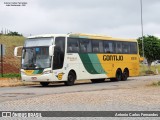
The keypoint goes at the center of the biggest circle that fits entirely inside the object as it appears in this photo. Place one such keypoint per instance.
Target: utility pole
(1, 49)
(141, 3)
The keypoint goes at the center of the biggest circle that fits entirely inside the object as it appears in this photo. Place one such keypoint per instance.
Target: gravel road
(136, 94)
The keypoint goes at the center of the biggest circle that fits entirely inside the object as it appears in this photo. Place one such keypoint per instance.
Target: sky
(116, 18)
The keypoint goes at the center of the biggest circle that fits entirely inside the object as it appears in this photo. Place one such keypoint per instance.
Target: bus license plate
(34, 78)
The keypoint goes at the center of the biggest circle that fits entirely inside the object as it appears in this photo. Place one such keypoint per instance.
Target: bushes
(11, 75)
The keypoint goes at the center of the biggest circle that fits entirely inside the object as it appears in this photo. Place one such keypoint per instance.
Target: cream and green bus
(70, 57)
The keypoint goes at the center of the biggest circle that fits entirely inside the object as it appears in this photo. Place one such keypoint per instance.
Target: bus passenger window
(72, 46)
(95, 49)
(83, 48)
(133, 48)
(95, 46)
(106, 48)
(126, 48)
(76, 48)
(85, 45)
(118, 47)
(101, 47)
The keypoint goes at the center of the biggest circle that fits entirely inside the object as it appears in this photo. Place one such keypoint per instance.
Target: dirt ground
(12, 82)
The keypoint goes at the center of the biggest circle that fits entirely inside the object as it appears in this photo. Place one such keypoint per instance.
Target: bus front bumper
(37, 78)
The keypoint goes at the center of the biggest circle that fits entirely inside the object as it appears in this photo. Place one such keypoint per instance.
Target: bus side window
(101, 46)
(133, 48)
(72, 45)
(83, 48)
(76, 48)
(125, 47)
(70, 48)
(95, 49)
(95, 46)
(118, 47)
(108, 47)
(85, 45)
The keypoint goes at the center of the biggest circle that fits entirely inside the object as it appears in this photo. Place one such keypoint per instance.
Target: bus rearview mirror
(16, 51)
(51, 50)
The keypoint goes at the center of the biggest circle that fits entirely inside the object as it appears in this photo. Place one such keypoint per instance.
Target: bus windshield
(36, 58)
(38, 42)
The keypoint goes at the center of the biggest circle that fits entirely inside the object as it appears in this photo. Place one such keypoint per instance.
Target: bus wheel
(118, 76)
(71, 79)
(44, 84)
(97, 80)
(125, 74)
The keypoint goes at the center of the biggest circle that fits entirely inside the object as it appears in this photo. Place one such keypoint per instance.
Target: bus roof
(48, 35)
(83, 35)
(101, 37)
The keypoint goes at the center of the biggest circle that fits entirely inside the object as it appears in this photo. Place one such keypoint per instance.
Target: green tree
(151, 48)
(14, 34)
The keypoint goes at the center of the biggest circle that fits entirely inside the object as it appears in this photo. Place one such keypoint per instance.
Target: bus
(77, 56)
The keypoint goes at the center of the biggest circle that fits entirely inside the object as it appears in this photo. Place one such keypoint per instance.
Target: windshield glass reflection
(36, 58)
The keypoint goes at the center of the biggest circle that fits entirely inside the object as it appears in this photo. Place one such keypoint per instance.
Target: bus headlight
(47, 72)
(23, 73)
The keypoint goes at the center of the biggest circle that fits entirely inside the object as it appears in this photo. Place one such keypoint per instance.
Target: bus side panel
(86, 66)
(111, 62)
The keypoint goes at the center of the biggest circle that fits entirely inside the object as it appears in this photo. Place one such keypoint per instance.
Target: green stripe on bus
(87, 63)
(37, 71)
(96, 63)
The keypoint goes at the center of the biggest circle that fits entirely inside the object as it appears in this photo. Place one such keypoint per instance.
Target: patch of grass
(144, 70)
(156, 83)
(11, 75)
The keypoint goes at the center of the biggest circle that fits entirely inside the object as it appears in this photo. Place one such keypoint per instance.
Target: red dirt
(10, 65)
(8, 68)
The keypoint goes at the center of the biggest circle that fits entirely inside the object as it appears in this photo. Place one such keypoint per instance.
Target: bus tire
(71, 79)
(44, 84)
(125, 74)
(97, 80)
(118, 76)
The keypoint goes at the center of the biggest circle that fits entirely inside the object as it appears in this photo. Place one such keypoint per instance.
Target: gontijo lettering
(113, 57)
